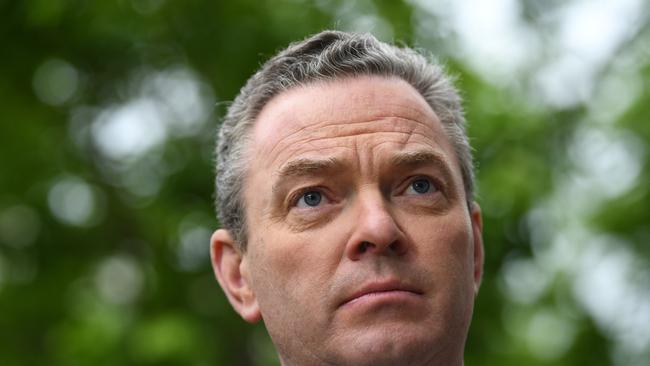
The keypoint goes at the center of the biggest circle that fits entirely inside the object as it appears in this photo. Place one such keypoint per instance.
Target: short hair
(328, 55)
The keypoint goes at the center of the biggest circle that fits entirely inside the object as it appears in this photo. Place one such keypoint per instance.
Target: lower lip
(381, 297)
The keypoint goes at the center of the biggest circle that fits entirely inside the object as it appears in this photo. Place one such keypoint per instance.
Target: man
(345, 192)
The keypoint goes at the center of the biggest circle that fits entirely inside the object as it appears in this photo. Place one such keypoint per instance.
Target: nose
(376, 232)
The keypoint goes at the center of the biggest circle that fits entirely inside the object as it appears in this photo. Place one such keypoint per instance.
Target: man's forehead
(341, 107)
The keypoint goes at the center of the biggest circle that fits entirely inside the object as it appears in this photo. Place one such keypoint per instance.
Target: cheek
(290, 269)
(292, 283)
(446, 247)
(446, 252)
(450, 233)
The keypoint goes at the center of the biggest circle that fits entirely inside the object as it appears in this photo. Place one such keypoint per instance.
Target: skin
(364, 150)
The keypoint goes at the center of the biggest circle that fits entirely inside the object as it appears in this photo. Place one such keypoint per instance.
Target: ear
(230, 268)
(479, 255)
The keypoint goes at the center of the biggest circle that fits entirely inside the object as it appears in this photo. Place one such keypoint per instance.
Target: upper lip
(381, 286)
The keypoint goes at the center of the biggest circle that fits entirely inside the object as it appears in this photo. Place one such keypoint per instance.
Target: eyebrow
(411, 158)
(305, 167)
(417, 158)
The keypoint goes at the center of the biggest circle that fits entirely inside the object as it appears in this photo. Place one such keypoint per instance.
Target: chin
(395, 345)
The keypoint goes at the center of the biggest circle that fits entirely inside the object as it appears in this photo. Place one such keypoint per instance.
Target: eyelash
(297, 195)
(437, 185)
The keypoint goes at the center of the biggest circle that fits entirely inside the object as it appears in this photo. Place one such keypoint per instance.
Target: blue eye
(420, 186)
(310, 199)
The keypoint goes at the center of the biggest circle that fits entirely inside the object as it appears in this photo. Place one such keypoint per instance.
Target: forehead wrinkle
(400, 136)
(383, 108)
(317, 144)
(368, 128)
(323, 127)
(392, 124)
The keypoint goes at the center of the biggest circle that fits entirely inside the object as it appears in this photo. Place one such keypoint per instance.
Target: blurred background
(107, 119)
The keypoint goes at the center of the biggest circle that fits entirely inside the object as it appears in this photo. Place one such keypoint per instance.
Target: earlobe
(230, 268)
(479, 255)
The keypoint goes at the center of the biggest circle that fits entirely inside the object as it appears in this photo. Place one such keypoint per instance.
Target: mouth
(389, 290)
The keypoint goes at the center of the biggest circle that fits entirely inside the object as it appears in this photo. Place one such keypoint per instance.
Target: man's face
(362, 250)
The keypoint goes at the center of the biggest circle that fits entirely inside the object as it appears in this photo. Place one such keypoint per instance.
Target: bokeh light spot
(55, 82)
(74, 202)
(125, 132)
(119, 279)
(549, 335)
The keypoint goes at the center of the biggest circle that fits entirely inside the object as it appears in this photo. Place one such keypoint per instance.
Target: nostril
(364, 246)
(393, 247)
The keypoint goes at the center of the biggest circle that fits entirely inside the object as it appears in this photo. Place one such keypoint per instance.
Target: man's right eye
(309, 199)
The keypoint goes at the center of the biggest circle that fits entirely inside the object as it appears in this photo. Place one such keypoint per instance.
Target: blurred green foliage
(109, 110)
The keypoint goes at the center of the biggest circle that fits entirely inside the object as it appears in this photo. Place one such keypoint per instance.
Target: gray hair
(328, 55)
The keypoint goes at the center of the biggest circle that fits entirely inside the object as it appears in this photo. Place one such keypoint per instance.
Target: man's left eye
(420, 186)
